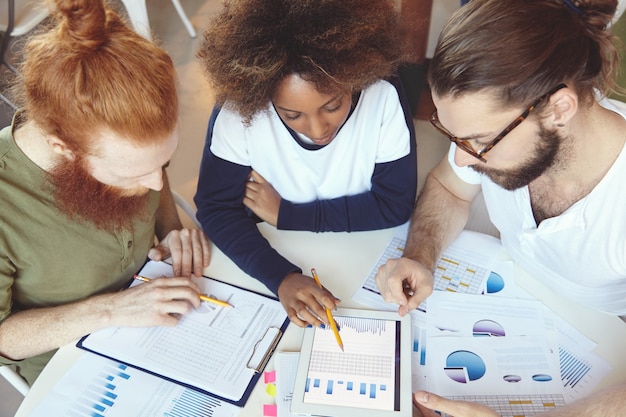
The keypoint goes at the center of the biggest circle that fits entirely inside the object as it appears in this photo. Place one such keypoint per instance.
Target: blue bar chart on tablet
(365, 374)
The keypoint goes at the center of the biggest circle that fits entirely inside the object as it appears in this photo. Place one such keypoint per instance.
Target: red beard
(79, 195)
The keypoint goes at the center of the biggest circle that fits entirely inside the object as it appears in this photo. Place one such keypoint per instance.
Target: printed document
(98, 387)
(210, 349)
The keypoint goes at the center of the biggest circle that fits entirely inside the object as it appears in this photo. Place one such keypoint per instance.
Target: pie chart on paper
(464, 366)
(487, 328)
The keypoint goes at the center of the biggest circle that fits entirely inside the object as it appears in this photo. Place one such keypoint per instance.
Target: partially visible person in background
(84, 190)
(311, 131)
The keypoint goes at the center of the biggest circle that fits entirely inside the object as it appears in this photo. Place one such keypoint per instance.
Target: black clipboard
(256, 361)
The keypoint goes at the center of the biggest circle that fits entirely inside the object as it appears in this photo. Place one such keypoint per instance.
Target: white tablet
(371, 377)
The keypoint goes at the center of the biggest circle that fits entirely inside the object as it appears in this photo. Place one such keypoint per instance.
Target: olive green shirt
(46, 259)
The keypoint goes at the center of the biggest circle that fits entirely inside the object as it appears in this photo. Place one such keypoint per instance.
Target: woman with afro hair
(311, 131)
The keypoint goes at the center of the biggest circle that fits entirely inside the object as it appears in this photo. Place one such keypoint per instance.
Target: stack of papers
(481, 338)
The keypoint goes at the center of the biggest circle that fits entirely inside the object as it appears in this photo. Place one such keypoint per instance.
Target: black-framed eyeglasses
(466, 145)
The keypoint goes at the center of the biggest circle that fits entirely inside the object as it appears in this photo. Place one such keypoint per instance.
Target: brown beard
(543, 158)
(80, 195)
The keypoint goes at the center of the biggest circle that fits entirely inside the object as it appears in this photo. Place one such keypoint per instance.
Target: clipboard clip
(263, 349)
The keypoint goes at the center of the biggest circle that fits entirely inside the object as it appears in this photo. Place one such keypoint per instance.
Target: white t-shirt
(375, 133)
(581, 254)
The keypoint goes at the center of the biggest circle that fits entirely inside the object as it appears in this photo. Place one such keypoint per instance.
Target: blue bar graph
(192, 404)
(419, 346)
(99, 387)
(361, 376)
(99, 395)
(330, 387)
(573, 369)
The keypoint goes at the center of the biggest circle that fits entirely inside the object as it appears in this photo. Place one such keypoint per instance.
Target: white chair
(20, 18)
(15, 380)
(138, 15)
(186, 208)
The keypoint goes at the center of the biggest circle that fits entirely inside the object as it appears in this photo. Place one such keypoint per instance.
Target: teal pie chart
(464, 366)
(495, 283)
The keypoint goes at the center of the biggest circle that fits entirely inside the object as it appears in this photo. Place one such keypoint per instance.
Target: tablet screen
(365, 375)
(371, 377)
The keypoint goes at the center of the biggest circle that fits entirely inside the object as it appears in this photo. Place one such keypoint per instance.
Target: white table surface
(343, 260)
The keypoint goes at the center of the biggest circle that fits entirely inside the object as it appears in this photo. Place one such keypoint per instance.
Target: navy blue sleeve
(225, 220)
(389, 202)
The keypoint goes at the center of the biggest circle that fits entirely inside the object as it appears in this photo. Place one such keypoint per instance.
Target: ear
(564, 105)
(59, 147)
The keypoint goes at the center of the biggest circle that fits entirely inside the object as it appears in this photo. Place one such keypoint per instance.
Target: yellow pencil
(202, 296)
(331, 319)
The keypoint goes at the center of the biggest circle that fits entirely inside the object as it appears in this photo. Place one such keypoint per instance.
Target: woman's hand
(304, 300)
(262, 198)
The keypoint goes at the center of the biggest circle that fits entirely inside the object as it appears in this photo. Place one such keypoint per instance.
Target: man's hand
(159, 302)
(426, 402)
(304, 300)
(189, 249)
(405, 282)
(262, 198)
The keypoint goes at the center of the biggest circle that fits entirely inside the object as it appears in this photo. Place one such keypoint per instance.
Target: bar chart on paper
(573, 369)
(120, 391)
(364, 374)
(453, 273)
(101, 393)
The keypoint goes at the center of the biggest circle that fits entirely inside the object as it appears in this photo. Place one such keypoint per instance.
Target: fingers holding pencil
(304, 300)
(160, 302)
(329, 315)
(201, 296)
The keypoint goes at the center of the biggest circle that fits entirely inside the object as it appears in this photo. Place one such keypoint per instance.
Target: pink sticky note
(269, 410)
(270, 377)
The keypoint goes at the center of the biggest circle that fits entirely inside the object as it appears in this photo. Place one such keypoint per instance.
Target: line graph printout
(463, 267)
(97, 387)
(208, 349)
(365, 375)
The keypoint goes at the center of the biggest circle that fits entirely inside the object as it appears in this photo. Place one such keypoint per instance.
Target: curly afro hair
(251, 45)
